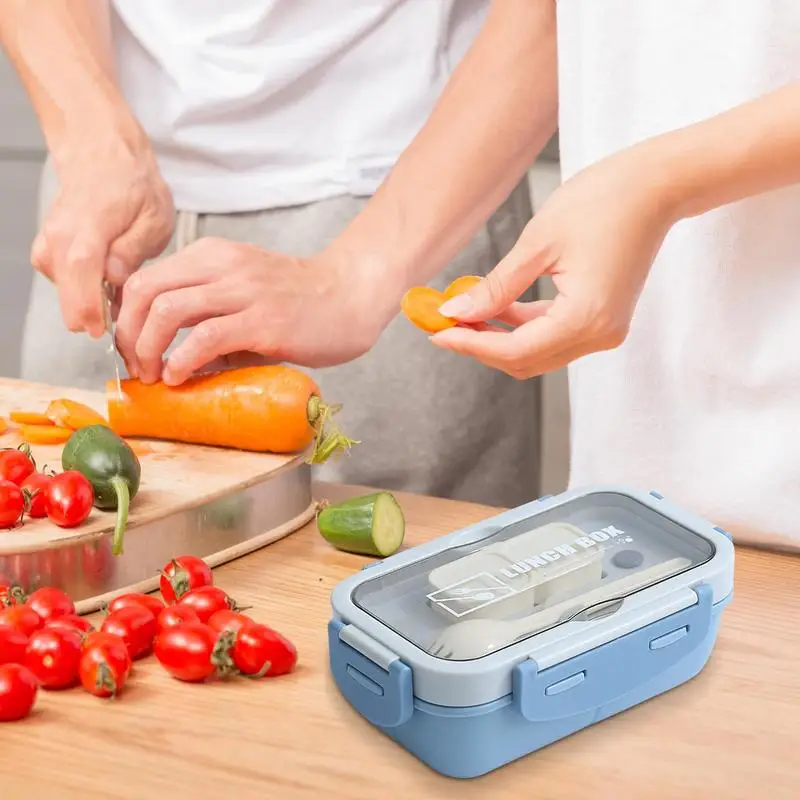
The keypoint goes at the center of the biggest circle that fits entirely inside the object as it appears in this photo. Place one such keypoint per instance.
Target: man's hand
(112, 212)
(597, 237)
(242, 300)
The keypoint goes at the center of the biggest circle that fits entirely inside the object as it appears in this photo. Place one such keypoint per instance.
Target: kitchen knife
(108, 299)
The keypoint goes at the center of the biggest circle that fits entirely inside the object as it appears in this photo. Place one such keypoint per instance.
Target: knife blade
(108, 300)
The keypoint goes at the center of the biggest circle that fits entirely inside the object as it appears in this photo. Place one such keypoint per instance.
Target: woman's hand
(597, 237)
(246, 305)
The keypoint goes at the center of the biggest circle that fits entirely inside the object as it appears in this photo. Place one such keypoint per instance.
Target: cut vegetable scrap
(3, 425)
(68, 413)
(372, 525)
(30, 418)
(269, 409)
(44, 434)
(421, 304)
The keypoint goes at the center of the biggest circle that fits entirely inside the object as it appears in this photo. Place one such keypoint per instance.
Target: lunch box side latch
(370, 676)
(600, 676)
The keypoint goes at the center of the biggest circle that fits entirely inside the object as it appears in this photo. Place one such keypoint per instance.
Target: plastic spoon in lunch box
(474, 638)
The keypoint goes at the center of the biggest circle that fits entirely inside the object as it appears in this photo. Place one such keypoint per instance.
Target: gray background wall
(22, 152)
(21, 155)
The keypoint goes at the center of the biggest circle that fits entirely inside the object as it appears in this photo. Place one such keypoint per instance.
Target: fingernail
(457, 306)
(116, 271)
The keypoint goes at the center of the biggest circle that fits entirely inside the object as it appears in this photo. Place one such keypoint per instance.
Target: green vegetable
(371, 525)
(112, 468)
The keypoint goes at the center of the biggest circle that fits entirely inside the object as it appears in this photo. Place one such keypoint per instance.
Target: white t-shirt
(702, 402)
(255, 104)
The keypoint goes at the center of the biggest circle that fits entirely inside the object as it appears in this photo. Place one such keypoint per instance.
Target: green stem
(123, 503)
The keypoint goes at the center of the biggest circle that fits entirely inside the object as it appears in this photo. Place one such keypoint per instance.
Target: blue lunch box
(489, 643)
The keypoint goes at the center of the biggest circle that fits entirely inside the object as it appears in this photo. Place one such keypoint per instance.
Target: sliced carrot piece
(44, 434)
(68, 413)
(3, 425)
(30, 418)
(462, 284)
(421, 305)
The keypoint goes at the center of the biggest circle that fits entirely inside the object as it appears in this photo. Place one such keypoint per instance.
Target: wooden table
(733, 732)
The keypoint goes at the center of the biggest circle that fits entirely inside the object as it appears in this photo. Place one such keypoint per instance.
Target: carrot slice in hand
(44, 434)
(421, 303)
(68, 413)
(462, 284)
(30, 418)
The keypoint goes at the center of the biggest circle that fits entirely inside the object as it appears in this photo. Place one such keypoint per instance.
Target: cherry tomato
(12, 646)
(18, 690)
(186, 651)
(71, 622)
(49, 603)
(35, 487)
(12, 504)
(69, 499)
(104, 666)
(206, 601)
(227, 619)
(135, 625)
(148, 601)
(22, 618)
(175, 615)
(258, 650)
(16, 465)
(53, 656)
(182, 575)
(11, 594)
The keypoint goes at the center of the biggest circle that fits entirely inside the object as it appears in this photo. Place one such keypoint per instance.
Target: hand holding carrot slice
(421, 303)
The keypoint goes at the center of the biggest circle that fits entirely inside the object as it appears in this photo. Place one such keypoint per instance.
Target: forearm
(61, 50)
(748, 150)
(497, 112)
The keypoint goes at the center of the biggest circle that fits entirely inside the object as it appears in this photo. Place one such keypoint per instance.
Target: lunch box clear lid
(548, 580)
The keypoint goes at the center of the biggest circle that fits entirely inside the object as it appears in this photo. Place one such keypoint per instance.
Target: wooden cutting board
(174, 476)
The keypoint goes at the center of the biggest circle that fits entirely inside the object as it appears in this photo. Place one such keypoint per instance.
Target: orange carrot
(30, 418)
(462, 284)
(273, 408)
(3, 425)
(44, 434)
(70, 414)
(421, 303)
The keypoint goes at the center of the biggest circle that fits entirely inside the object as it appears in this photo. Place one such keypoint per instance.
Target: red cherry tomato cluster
(203, 634)
(197, 633)
(65, 499)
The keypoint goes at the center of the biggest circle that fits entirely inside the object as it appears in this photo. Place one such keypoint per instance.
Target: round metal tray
(217, 531)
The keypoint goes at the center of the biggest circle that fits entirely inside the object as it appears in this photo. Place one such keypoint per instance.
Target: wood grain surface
(731, 733)
(174, 476)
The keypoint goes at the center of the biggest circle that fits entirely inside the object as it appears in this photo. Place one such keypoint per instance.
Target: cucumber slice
(372, 525)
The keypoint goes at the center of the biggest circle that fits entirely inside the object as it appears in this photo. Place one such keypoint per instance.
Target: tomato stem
(120, 486)
(105, 679)
(221, 654)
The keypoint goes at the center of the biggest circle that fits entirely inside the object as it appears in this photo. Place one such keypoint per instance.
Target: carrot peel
(68, 413)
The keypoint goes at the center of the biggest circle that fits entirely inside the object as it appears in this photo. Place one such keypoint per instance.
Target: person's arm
(748, 150)
(495, 115)
(113, 210)
(604, 250)
(61, 50)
